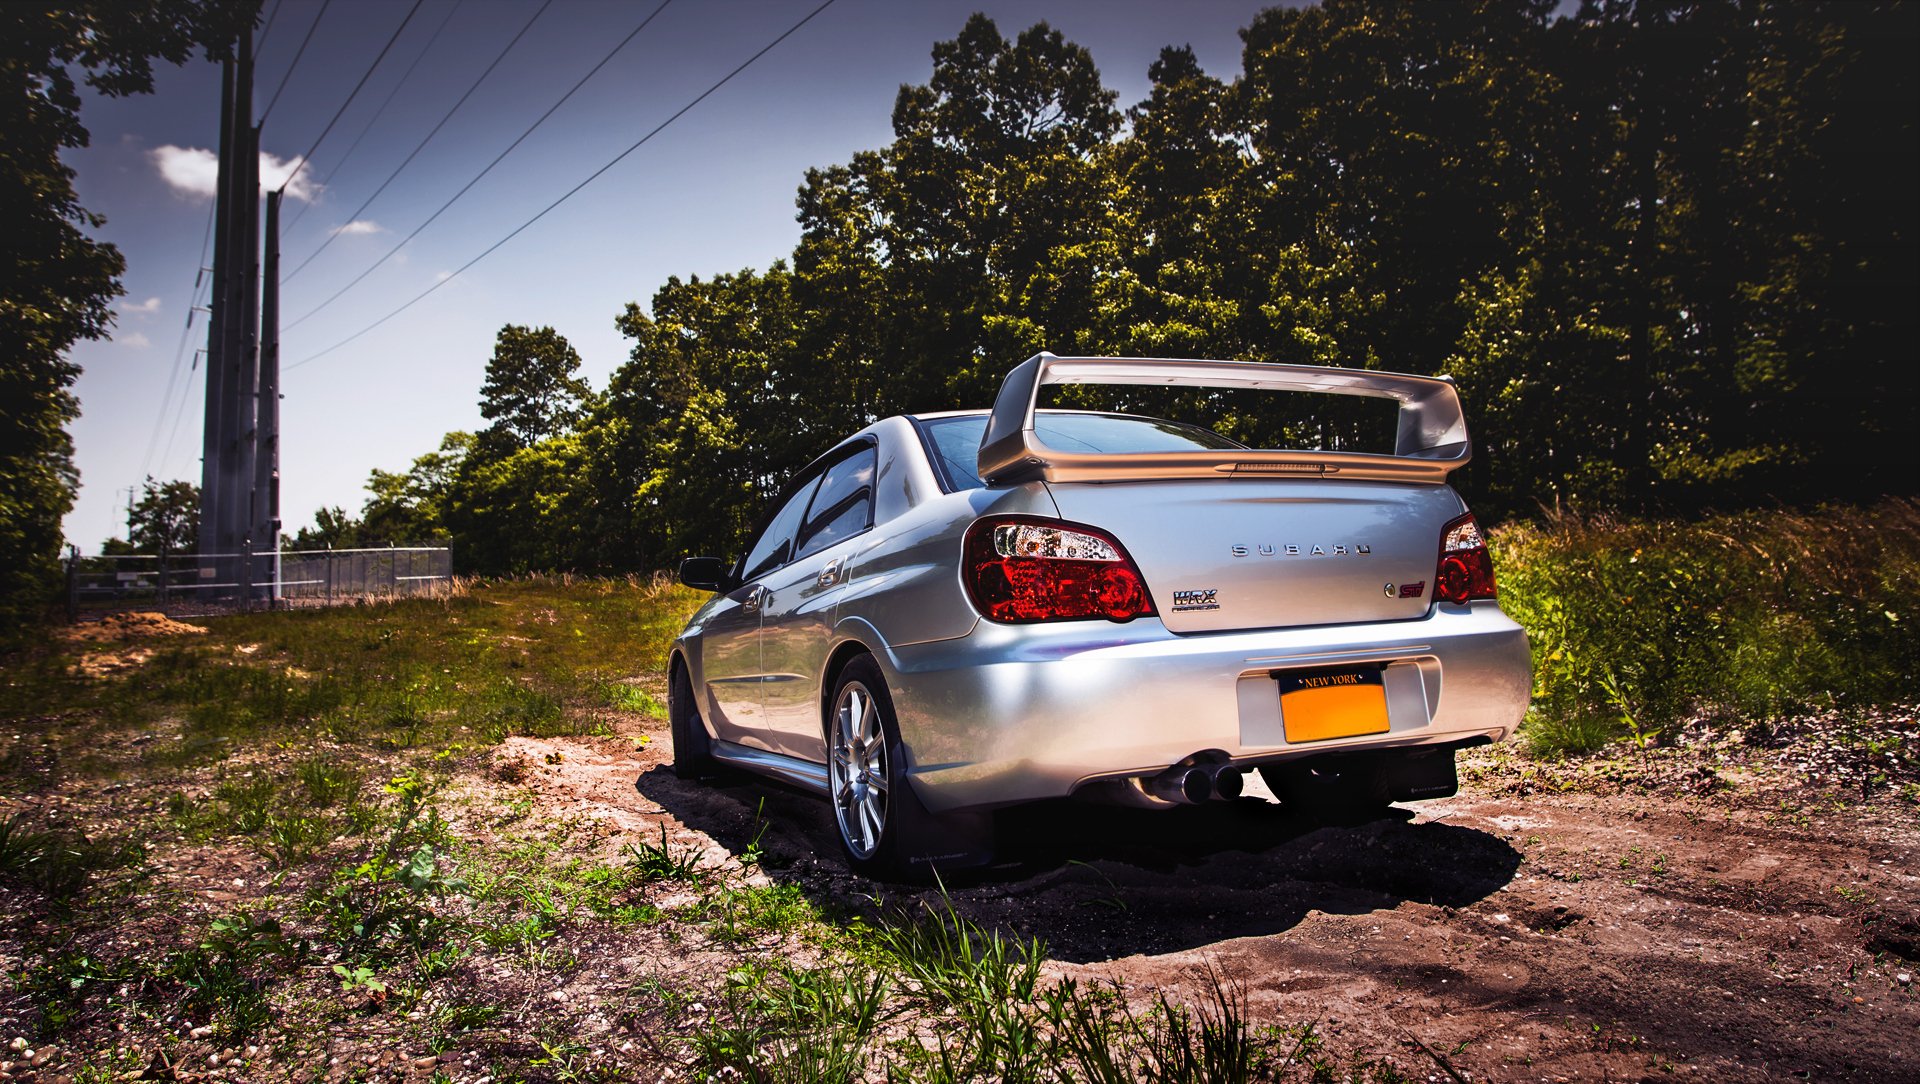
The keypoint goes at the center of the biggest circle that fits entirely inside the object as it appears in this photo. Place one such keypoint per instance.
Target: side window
(774, 547)
(843, 507)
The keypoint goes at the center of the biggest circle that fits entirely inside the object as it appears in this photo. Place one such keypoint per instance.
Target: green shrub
(1634, 624)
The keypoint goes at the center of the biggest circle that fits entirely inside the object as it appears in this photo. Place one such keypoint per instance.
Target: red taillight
(1022, 569)
(1466, 568)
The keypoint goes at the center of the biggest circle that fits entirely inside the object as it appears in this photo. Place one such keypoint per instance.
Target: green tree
(56, 282)
(410, 507)
(333, 529)
(166, 519)
(533, 389)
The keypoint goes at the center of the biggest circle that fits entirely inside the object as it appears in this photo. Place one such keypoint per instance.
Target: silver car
(953, 613)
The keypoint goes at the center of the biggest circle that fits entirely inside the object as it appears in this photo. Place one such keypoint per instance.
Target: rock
(1904, 979)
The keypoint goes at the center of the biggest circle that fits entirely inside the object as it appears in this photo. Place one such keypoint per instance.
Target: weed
(292, 838)
(737, 916)
(328, 785)
(358, 979)
(58, 985)
(795, 1024)
(1110, 1044)
(221, 972)
(59, 863)
(664, 862)
(249, 802)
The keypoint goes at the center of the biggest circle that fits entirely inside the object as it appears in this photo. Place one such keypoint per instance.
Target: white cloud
(361, 225)
(189, 170)
(274, 172)
(135, 340)
(442, 276)
(195, 171)
(145, 308)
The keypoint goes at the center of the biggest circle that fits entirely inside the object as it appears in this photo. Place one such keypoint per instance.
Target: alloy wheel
(857, 770)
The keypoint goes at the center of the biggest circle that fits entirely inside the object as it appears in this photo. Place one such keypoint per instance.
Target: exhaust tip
(1187, 785)
(1196, 784)
(1228, 782)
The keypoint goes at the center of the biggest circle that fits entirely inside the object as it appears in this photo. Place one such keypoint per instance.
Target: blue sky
(713, 193)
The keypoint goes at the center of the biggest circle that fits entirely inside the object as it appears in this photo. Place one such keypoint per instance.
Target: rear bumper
(1012, 714)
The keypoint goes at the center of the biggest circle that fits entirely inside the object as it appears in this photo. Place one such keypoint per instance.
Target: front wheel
(884, 830)
(692, 747)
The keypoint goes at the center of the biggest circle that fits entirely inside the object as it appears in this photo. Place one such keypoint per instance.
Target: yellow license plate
(1328, 704)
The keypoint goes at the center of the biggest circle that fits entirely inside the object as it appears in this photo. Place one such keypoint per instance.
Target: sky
(712, 193)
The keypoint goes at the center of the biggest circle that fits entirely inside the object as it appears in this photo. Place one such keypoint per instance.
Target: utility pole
(227, 446)
(266, 464)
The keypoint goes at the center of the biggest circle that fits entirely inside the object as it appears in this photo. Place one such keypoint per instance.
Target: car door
(730, 643)
(797, 614)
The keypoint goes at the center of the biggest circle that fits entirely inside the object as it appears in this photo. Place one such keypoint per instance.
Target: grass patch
(59, 863)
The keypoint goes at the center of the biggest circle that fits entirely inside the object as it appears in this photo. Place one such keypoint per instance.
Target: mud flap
(939, 843)
(1419, 776)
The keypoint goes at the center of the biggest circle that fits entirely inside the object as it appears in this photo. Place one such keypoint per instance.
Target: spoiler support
(1430, 442)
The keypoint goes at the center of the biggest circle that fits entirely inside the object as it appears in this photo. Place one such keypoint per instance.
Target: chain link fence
(213, 583)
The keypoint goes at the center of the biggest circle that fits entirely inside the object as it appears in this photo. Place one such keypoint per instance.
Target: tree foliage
(533, 390)
(1666, 249)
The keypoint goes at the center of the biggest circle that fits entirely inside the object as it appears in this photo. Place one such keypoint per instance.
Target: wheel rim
(857, 767)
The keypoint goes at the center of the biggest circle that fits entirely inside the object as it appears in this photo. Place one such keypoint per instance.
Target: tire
(884, 831)
(1330, 790)
(692, 747)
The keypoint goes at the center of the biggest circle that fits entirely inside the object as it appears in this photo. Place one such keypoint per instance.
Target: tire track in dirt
(1559, 936)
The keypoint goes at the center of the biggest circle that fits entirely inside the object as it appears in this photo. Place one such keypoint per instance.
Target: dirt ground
(1627, 925)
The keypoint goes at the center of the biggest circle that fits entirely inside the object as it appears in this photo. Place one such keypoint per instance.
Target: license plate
(1321, 704)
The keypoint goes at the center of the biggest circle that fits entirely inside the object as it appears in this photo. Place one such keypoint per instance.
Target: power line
(418, 147)
(173, 377)
(267, 30)
(489, 168)
(307, 157)
(595, 175)
(380, 112)
(187, 397)
(298, 53)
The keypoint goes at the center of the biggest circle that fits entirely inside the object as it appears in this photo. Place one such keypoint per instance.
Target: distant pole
(266, 462)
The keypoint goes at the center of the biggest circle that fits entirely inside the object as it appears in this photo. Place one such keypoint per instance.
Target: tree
(167, 518)
(55, 282)
(411, 507)
(532, 390)
(333, 529)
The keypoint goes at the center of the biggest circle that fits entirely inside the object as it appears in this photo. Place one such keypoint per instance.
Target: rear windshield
(956, 441)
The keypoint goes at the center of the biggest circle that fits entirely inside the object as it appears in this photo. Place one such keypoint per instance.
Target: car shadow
(1097, 882)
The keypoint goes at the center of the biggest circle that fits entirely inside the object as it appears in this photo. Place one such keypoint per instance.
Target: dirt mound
(129, 626)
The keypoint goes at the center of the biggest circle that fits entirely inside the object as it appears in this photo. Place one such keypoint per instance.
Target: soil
(127, 626)
(1741, 905)
(117, 629)
(1625, 918)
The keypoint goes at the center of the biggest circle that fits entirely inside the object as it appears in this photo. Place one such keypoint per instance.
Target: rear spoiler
(1430, 443)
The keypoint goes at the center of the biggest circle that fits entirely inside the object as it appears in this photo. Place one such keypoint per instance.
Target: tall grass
(1636, 623)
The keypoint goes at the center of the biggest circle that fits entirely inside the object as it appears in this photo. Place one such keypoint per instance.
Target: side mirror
(707, 574)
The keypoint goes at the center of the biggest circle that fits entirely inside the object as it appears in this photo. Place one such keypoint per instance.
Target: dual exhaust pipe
(1193, 784)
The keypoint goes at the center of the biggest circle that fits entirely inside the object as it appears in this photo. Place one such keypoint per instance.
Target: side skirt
(800, 773)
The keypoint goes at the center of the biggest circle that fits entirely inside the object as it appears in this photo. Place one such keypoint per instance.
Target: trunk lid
(1256, 553)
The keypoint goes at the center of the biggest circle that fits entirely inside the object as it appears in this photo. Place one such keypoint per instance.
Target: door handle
(755, 597)
(830, 574)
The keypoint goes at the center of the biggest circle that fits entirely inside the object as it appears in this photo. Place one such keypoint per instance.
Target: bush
(1635, 624)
